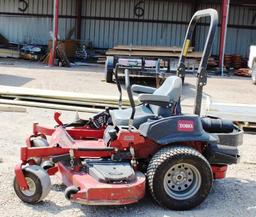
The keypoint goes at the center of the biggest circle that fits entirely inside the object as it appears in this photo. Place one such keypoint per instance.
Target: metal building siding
(22, 28)
(238, 39)
(107, 23)
(111, 22)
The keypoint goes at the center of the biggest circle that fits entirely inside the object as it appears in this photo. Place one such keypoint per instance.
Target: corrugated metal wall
(112, 22)
(106, 23)
(241, 31)
(33, 25)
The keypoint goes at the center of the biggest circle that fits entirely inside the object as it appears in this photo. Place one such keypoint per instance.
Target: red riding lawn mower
(112, 158)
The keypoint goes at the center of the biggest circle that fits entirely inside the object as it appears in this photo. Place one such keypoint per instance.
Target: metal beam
(55, 32)
(223, 32)
(79, 6)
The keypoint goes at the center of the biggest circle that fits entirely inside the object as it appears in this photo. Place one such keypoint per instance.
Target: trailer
(147, 61)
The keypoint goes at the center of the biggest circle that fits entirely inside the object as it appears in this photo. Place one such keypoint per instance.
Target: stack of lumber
(150, 48)
(245, 72)
(150, 51)
(70, 101)
(8, 52)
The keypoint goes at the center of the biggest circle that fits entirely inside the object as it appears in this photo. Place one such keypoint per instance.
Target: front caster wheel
(179, 178)
(39, 184)
(71, 190)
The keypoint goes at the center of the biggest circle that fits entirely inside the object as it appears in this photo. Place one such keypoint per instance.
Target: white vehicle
(252, 62)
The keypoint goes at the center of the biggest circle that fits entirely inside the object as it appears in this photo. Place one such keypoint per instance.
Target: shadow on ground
(13, 80)
(220, 202)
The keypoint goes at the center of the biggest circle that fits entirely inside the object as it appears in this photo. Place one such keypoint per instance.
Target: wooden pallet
(249, 127)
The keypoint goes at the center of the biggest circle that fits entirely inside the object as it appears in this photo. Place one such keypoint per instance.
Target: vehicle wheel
(109, 76)
(39, 185)
(39, 141)
(71, 190)
(179, 178)
(47, 165)
(109, 66)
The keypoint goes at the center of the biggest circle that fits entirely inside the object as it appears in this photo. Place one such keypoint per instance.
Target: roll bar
(201, 73)
(130, 96)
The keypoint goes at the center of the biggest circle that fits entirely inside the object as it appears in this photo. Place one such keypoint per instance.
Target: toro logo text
(185, 126)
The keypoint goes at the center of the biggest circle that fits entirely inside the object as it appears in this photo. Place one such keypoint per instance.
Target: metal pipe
(223, 32)
(55, 32)
(201, 73)
(78, 19)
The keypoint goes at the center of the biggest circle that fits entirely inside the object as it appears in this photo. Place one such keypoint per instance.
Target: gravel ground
(233, 196)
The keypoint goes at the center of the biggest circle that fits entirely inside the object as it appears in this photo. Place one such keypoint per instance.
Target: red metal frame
(20, 177)
(225, 6)
(42, 152)
(76, 133)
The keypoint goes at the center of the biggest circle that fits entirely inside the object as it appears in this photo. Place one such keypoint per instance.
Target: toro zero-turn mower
(112, 158)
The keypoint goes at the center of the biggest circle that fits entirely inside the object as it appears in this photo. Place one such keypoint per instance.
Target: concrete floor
(233, 196)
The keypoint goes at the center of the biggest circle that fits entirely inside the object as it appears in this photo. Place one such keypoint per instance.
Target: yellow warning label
(187, 45)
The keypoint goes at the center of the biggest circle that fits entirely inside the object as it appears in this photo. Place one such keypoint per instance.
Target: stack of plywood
(58, 99)
(7, 52)
(150, 51)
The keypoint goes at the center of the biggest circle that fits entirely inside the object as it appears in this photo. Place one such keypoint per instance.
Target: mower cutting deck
(106, 160)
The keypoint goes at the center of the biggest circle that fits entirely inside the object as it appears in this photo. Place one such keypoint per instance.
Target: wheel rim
(182, 181)
(31, 187)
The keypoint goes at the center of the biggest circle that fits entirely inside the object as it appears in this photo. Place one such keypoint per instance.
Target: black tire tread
(161, 156)
(70, 191)
(109, 76)
(34, 198)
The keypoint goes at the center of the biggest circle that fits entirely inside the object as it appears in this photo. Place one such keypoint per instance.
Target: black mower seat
(121, 117)
(154, 105)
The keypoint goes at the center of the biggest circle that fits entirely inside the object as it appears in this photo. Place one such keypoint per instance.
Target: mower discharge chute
(106, 160)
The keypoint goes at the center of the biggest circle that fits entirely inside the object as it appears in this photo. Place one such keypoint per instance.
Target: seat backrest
(172, 88)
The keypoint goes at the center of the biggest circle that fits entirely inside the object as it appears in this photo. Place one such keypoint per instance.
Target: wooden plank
(111, 52)
(9, 53)
(10, 108)
(150, 48)
(49, 106)
(9, 91)
(21, 91)
(62, 101)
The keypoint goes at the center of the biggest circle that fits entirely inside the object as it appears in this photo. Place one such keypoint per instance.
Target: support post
(78, 19)
(55, 32)
(223, 33)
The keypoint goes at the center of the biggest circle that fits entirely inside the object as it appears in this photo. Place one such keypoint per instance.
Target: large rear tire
(179, 177)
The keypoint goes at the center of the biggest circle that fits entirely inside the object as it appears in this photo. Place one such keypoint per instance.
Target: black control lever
(118, 86)
(130, 96)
